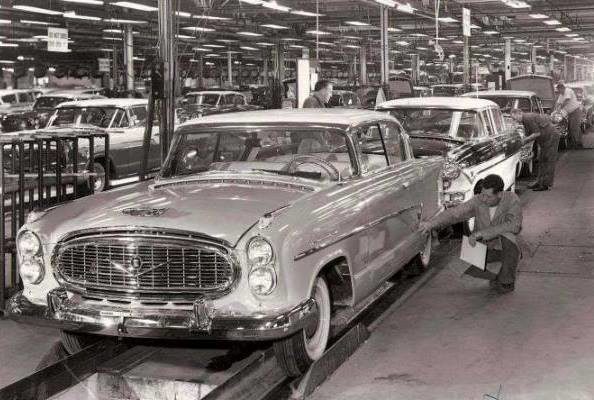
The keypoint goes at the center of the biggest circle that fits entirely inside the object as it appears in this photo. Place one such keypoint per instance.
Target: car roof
(454, 103)
(72, 94)
(502, 93)
(13, 91)
(223, 92)
(337, 117)
(104, 102)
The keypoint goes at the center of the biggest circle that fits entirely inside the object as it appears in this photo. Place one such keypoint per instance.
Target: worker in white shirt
(569, 104)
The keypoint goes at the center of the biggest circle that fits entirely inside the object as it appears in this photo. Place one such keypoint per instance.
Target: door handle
(406, 185)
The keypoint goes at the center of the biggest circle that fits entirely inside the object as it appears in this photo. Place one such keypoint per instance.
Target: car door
(392, 207)
(124, 143)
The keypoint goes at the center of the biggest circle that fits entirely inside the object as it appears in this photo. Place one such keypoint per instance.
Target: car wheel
(297, 352)
(99, 185)
(75, 342)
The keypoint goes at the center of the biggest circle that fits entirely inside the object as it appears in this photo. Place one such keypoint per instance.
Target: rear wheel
(297, 352)
(75, 342)
(99, 184)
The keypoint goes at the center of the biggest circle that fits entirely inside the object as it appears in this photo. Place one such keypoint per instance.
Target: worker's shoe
(541, 189)
(501, 288)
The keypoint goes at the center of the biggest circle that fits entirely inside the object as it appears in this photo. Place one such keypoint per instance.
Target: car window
(138, 116)
(373, 155)
(120, 120)
(49, 102)
(488, 122)
(25, 98)
(228, 99)
(393, 141)
(335, 100)
(239, 100)
(524, 105)
(497, 120)
(9, 99)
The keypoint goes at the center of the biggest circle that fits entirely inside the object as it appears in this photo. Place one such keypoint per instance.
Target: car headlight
(28, 244)
(31, 271)
(262, 280)
(259, 252)
(451, 171)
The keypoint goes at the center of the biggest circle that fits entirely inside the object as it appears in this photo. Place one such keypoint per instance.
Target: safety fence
(40, 171)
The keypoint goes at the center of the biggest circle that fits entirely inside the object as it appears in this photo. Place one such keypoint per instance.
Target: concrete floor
(455, 340)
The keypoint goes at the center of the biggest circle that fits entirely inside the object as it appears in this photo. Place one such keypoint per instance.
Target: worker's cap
(561, 85)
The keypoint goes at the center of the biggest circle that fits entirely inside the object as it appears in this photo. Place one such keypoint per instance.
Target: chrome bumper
(76, 315)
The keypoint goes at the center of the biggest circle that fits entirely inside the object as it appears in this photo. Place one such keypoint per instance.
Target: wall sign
(57, 39)
(104, 64)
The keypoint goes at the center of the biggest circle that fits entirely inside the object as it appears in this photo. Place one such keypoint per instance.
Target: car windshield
(9, 99)
(49, 102)
(456, 124)
(504, 103)
(97, 116)
(267, 150)
(210, 99)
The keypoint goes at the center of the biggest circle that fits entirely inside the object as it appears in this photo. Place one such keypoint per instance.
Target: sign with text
(466, 21)
(104, 64)
(57, 39)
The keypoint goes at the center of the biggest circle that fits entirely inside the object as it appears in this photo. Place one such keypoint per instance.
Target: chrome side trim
(319, 245)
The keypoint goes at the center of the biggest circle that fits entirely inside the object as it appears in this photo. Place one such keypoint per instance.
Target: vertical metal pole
(533, 58)
(2, 229)
(281, 64)
(566, 67)
(414, 68)
(114, 65)
(200, 71)
(363, 64)
(385, 49)
(229, 69)
(129, 57)
(466, 60)
(265, 55)
(167, 52)
(575, 69)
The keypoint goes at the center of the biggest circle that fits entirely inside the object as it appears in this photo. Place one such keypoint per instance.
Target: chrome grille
(145, 264)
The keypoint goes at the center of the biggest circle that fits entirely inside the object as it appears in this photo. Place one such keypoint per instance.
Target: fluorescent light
(252, 2)
(296, 46)
(563, 29)
(457, 42)
(491, 32)
(138, 58)
(91, 2)
(273, 26)
(199, 49)
(212, 55)
(351, 46)
(316, 32)
(107, 50)
(5, 21)
(111, 38)
(6, 61)
(402, 43)
(357, 23)
(552, 22)
(211, 17)
(227, 40)
(134, 6)
(421, 48)
(579, 39)
(124, 21)
(448, 19)
(306, 13)
(539, 16)
(516, 3)
(112, 30)
(73, 15)
(30, 22)
(324, 43)
(388, 3)
(288, 39)
(405, 8)
(2, 44)
(419, 34)
(474, 26)
(572, 34)
(213, 46)
(37, 10)
(392, 30)
(184, 37)
(249, 48)
(273, 5)
(246, 33)
(208, 63)
(198, 29)
(265, 44)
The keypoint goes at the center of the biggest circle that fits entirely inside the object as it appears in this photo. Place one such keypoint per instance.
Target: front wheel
(297, 352)
(99, 184)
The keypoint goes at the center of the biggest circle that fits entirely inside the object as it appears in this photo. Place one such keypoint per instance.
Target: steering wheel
(292, 165)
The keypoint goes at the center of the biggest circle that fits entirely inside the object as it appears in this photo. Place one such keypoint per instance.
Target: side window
(138, 116)
(524, 105)
(24, 98)
(227, 99)
(488, 123)
(498, 121)
(239, 100)
(373, 156)
(120, 120)
(394, 142)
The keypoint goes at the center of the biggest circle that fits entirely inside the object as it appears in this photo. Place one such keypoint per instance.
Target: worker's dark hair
(321, 85)
(490, 182)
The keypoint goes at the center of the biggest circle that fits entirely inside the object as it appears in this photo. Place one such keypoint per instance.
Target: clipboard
(476, 255)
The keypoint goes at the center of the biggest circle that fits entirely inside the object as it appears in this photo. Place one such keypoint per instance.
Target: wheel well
(338, 277)
(101, 160)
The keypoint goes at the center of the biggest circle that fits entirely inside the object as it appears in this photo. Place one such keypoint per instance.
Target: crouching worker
(498, 221)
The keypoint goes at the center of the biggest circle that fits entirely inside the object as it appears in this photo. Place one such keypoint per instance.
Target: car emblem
(135, 264)
(144, 212)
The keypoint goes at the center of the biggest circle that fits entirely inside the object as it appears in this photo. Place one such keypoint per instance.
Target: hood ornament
(144, 212)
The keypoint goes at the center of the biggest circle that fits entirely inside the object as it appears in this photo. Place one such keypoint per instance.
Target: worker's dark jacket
(537, 123)
(507, 221)
(314, 101)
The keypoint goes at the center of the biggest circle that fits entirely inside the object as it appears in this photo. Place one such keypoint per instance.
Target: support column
(129, 57)
(507, 60)
(229, 69)
(414, 68)
(566, 67)
(167, 53)
(265, 55)
(115, 75)
(466, 61)
(385, 49)
(575, 69)
(200, 72)
(533, 59)
(363, 64)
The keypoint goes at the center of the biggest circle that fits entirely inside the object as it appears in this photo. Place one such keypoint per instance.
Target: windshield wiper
(299, 174)
(438, 137)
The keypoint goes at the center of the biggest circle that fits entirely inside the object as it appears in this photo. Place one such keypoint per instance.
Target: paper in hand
(476, 255)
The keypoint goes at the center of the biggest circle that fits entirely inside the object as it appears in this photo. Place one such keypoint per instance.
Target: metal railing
(40, 171)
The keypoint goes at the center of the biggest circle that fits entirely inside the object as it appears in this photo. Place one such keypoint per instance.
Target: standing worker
(320, 96)
(568, 103)
(547, 138)
(498, 216)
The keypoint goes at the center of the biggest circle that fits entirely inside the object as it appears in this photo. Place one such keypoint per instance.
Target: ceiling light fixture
(73, 15)
(405, 8)
(91, 2)
(226, 40)
(2, 44)
(247, 33)
(112, 30)
(211, 17)
(356, 23)
(448, 19)
(5, 21)
(388, 3)
(273, 5)
(306, 13)
(213, 46)
(572, 34)
(274, 26)
(539, 16)
(37, 10)
(111, 38)
(249, 48)
(30, 22)
(265, 44)
(516, 4)
(491, 32)
(184, 37)
(317, 32)
(198, 29)
(125, 21)
(552, 22)
(252, 2)
(134, 6)
(183, 14)
(402, 43)
(352, 46)
(563, 29)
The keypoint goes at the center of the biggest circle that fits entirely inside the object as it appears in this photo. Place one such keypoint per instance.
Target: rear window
(49, 102)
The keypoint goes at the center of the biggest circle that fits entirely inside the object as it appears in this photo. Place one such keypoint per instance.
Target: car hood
(222, 210)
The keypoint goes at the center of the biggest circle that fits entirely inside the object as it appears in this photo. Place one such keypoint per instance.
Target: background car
(15, 101)
(259, 227)
(344, 99)
(198, 104)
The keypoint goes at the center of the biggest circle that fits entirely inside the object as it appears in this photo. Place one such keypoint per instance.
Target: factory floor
(454, 339)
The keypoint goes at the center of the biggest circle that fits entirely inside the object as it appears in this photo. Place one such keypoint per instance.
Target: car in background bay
(344, 99)
(260, 227)
(470, 133)
(508, 100)
(37, 116)
(199, 104)
(584, 92)
(15, 101)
